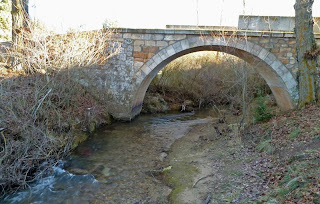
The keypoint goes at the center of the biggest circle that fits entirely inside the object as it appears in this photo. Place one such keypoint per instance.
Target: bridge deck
(217, 32)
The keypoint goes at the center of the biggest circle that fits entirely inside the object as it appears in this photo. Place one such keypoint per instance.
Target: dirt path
(210, 165)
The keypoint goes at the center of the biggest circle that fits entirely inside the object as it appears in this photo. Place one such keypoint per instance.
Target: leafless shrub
(209, 78)
(38, 48)
(41, 105)
(40, 115)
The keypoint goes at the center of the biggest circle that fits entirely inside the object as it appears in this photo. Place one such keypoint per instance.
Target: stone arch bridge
(121, 84)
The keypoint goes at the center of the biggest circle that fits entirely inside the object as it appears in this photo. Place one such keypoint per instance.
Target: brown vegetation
(292, 141)
(43, 110)
(39, 49)
(208, 79)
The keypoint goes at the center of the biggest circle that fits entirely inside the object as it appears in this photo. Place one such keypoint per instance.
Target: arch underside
(279, 79)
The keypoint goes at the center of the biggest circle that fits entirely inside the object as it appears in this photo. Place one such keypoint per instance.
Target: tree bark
(305, 43)
(20, 17)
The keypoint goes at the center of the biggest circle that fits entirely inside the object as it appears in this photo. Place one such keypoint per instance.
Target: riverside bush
(41, 105)
(39, 49)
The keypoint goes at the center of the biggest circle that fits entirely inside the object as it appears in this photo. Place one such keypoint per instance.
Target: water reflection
(112, 165)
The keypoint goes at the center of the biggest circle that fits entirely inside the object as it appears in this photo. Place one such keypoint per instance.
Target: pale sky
(90, 14)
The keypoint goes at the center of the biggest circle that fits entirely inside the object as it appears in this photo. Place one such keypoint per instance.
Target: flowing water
(116, 164)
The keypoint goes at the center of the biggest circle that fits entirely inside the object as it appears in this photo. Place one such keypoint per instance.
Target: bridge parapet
(272, 23)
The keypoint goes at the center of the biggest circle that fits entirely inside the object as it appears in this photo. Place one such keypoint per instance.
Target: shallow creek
(165, 158)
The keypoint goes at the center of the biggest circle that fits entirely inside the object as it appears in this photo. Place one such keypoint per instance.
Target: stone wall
(283, 48)
(272, 23)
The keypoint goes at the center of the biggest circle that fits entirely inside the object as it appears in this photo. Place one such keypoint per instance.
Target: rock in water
(154, 104)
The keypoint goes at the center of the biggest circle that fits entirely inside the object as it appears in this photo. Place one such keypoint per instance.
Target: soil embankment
(211, 163)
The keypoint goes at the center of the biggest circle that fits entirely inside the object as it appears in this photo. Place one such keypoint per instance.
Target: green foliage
(261, 112)
(265, 146)
(294, 134)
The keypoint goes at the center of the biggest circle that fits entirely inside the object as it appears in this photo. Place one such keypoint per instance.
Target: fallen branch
(207, 200)
(194, 185)
(40, 102)
(5, 145)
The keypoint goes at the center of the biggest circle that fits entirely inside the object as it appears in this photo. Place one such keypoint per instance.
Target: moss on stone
(180, 176)
(92, 126)
(79, 136)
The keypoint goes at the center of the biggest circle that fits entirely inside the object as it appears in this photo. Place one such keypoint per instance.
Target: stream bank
(43, 117)
(211, 164)
(163, 158)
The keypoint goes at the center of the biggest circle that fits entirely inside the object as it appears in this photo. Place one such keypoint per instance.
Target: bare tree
(305, 44)
(19, 14)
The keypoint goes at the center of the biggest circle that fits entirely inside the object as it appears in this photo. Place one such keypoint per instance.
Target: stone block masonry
(126, 77)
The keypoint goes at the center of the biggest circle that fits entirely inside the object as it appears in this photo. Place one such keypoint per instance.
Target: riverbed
(159, 158)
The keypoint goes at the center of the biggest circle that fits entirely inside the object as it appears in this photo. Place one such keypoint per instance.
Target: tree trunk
(305, 43)
(19, 23)
(20, 17)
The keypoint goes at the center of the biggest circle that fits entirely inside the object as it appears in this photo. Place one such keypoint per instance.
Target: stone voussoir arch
(278, 77)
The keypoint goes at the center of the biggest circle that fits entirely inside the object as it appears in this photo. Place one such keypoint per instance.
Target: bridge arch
(277, 76)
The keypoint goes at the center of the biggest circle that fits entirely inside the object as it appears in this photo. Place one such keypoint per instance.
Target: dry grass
(41, 106)
(40, 114)
(209, 78)
(39, 49)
